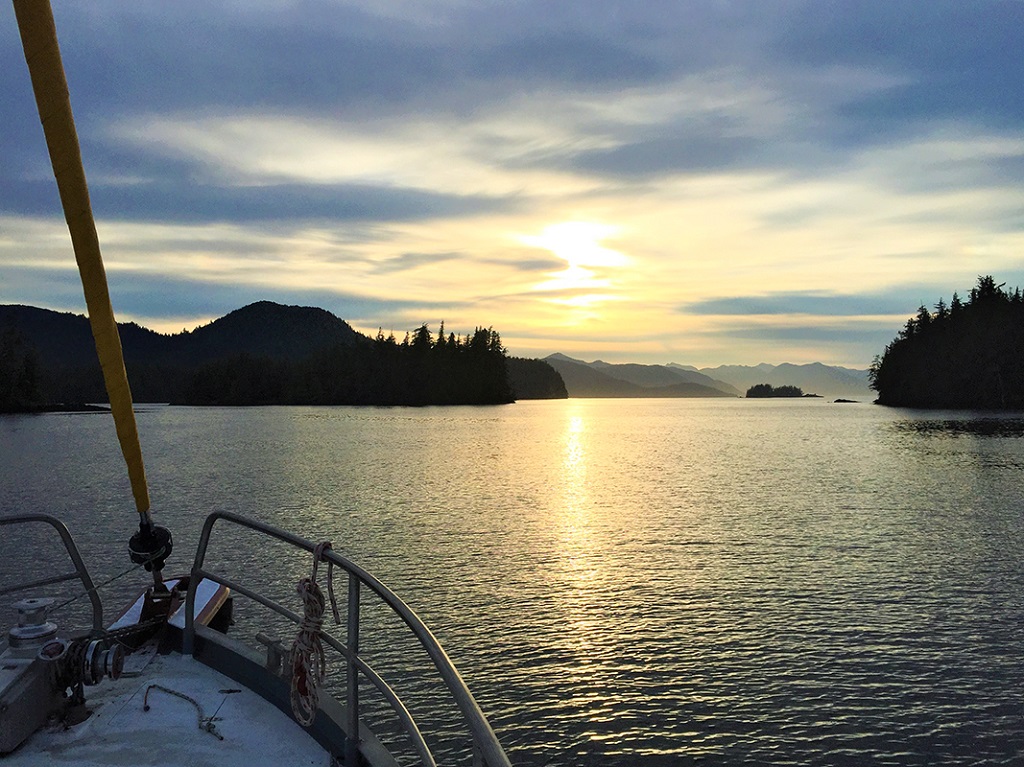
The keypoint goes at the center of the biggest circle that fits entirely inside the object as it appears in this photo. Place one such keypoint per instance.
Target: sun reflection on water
(574, 469)
(577, 558)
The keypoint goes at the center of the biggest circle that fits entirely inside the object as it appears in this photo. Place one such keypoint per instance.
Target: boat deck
(246, 729)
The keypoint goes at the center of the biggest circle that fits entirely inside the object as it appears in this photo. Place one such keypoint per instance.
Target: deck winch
(42, 674)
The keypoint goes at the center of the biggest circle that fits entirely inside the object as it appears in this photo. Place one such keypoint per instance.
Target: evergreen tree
(971, 356)
(442, 342)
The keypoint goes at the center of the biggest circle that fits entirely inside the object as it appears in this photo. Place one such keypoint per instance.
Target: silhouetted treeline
(969, 354)
(19, 372)
(767, 390)
(264, 353)
(421, 370)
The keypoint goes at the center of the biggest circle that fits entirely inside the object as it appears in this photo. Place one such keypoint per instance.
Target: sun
(578, 243)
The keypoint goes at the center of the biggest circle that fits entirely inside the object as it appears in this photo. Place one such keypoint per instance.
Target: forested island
(767, 390)
(967, 354)
(262, 354)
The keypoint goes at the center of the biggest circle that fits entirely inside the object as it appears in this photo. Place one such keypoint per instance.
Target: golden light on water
(574, 472)
(576, 565)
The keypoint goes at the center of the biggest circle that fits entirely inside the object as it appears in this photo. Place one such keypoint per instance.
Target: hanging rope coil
(309, 664)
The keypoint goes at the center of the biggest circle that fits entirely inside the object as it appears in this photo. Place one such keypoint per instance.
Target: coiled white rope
(309, 665)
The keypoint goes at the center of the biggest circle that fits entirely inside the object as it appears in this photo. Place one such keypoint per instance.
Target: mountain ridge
(268, 329)
(604, 379)
(261, 329)
(812, 377)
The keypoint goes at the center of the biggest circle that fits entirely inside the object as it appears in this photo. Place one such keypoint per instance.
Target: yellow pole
(39, 38)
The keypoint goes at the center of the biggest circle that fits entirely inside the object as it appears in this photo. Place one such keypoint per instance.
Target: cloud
(668, 155)
(205, 203)
(329, 57)
(412, 260)
(807, 302)
(574, 59)
(155, 172)
(961, 58)
(783, 122)
(530, 265)
(291, 202)
(952, 158)
(59, 289)
(855, 336)
(888, 307)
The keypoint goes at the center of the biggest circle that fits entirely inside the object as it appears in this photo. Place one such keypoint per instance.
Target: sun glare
(578, 243)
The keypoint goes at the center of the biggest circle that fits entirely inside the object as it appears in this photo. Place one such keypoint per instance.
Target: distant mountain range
(603, 379)
(813, 378)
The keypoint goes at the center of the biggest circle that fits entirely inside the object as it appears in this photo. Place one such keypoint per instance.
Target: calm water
(631, 582)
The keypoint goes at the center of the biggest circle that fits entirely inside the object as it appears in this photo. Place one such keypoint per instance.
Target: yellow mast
(39, 38)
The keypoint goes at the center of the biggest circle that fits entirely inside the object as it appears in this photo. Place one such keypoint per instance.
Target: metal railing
(486, 748)
(80, 573)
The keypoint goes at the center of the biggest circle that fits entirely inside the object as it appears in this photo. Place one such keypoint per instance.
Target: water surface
(631, 582)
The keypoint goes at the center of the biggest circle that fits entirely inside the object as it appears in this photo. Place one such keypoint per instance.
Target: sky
(701, 182)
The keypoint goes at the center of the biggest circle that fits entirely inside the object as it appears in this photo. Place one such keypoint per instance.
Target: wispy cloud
(822, 304)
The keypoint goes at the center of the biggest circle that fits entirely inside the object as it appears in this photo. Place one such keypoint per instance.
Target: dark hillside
(263, 329)
(59, 338)
(582, 380)
(534, 379)
(266, 329)
(261, 354)
(663, 377)
(684, 389)
(61, 345)
(160, 365)
(601, 379)
(641, 375)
